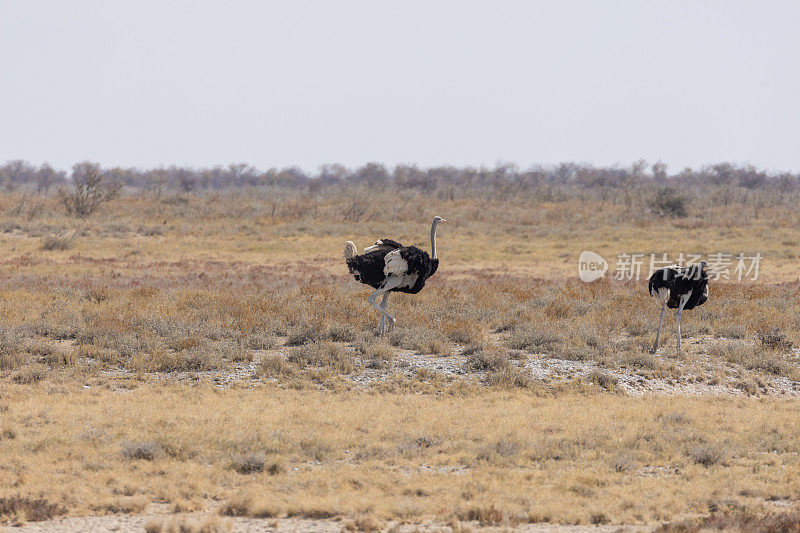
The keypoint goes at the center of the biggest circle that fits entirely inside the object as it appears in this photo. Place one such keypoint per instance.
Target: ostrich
(681, 288)
(388, 266)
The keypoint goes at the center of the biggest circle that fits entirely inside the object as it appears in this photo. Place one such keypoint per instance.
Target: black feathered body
(434, 267)
(417, 266)
(420, 265)
(679, 282)
(368, 268)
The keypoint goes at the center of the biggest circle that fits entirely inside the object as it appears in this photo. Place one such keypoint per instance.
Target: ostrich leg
(384, 303)
(660, 323)
(389, 284)
(683, 301)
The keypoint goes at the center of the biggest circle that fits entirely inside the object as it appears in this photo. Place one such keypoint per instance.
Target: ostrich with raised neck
(388, 266)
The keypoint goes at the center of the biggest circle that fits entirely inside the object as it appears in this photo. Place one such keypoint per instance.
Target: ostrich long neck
(433, 239)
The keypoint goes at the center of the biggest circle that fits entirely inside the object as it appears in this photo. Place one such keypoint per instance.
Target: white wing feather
(395, 265)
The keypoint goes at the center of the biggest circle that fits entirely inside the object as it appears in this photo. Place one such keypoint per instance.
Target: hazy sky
(146, 83)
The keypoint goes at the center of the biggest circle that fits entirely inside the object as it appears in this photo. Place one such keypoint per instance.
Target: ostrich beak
(442, 220)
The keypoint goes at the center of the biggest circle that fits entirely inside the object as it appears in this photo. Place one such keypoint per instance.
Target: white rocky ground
(137, 523)
(692, 381)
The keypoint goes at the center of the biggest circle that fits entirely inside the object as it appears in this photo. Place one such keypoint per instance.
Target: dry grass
(737, 520)
(224, 279)
(603, 379)
(491, 456)
(484, 233)
(324, 354)
(365, 524)
(53, 329)
(19, 509)
(376, 355)
(57, 242)
(153, 295)
(188, 525)
(147, 450)
(275, 366)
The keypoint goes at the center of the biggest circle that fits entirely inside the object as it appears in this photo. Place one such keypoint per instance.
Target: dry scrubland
(209, 351)
(496, 457)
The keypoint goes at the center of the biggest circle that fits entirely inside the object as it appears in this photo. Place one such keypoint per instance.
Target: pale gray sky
(303, 83)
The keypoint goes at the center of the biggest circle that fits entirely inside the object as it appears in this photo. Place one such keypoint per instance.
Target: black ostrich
(388, 266)
(681, 288)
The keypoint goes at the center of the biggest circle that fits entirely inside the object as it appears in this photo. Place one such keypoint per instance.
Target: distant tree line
(509, 178)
